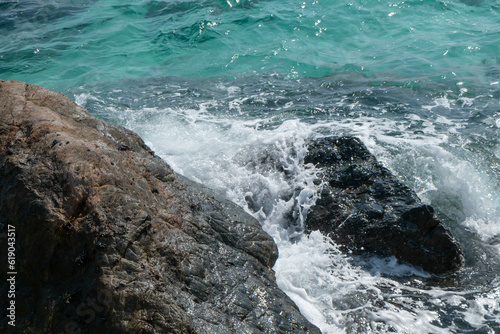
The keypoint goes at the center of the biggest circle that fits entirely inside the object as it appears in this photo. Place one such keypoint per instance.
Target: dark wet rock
(108, 239)
(365, 208)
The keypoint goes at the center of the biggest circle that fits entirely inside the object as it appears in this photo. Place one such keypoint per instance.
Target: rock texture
(110, 240)
(366, 209)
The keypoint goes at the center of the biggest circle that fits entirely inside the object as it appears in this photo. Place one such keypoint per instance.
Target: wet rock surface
(365, 208)
(110, 240)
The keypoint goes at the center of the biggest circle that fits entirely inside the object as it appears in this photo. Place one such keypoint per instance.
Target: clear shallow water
(228, 91)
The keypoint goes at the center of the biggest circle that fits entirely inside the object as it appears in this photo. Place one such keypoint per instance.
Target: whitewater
(228, 93)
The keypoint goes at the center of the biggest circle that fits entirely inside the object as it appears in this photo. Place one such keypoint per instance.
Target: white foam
(443, 102)
(233, 90)
(82, 99)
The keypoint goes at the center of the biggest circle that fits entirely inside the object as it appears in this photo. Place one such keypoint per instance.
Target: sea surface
(227, 92)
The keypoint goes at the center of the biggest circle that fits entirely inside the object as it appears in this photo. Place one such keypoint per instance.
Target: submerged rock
(365, 208)
(108, 239)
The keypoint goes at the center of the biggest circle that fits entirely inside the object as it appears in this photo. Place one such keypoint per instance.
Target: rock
(108, 239)
(365, 208)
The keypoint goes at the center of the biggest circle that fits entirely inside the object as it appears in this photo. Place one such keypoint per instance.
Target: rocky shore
(107, 238)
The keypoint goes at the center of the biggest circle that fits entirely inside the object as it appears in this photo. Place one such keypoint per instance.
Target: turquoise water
(61, 44)
(228, 91)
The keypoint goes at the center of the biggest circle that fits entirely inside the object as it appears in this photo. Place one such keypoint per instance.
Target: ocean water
(228, 91)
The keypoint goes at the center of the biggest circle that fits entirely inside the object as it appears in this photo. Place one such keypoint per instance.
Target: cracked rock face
(365, 208)
(110, 240)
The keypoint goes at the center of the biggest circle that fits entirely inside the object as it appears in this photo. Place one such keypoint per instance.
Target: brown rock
(108, 239)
